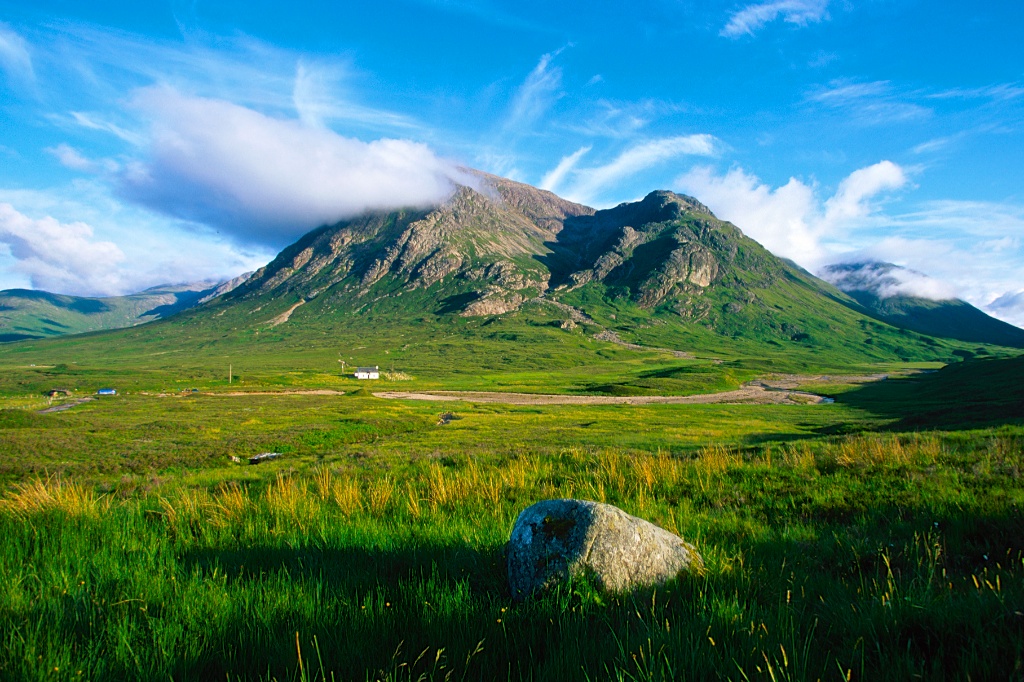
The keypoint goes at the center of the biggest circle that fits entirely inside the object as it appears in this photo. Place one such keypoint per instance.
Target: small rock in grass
(557, 540)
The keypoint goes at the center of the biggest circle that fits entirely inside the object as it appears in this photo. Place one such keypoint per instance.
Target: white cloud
(918, 284)
(640, 157)
(554, 177)
(751, 18)
(314, 95)
(535, 95)
(786, 220)
(791, 221)
(157, 249)
(61, 257)
(850, 201)
(14, 56)
(70, 157)
(268, 180)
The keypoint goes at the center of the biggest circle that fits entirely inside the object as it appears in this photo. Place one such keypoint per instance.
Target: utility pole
(229, 372)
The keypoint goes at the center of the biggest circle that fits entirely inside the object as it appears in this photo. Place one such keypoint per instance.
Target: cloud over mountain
(268, 180)
(886, 280)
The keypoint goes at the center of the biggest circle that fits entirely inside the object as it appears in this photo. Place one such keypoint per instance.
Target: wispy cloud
(14, 56)
(70, 157)
(60, 256)
(622, 119)
(535, 95)
(315, 95)
(590, 181)
(207, 161)
(791, 220)
(554, 177)
(868, 103)
(933, 145)
(93, 121)
(107, 64)
(999, 92)
(751, 18)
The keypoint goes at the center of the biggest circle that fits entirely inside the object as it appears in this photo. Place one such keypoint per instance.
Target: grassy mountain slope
(875, 287)
(27, 314)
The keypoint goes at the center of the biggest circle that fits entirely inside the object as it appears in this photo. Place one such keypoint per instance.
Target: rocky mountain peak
(488, 236)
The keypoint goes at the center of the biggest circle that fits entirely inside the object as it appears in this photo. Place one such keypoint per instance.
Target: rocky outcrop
(690, 263)
(556, 541)
(495, 303)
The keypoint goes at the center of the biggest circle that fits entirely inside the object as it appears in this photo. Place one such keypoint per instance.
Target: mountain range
(30, 314)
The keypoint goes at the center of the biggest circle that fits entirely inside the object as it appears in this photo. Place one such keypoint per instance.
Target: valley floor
(875, 538)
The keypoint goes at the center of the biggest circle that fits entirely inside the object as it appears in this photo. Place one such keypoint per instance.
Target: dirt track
(316, 391)
(65, 406)
(757, 395)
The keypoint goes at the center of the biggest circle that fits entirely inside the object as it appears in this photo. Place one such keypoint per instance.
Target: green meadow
(878, 537)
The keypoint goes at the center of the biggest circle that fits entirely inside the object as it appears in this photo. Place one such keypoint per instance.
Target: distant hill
(887, 292)
(29, 314)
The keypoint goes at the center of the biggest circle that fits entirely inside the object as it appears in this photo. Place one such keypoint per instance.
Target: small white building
(368, 372)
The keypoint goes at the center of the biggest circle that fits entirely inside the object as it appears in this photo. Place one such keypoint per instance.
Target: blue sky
(143, 143)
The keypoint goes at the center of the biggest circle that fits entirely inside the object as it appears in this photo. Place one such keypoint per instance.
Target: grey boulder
(558, 540)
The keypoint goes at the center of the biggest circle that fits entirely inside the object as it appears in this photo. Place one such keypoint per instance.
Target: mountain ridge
(33, 314)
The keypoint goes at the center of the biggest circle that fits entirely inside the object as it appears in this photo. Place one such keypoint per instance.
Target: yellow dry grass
(53, 494)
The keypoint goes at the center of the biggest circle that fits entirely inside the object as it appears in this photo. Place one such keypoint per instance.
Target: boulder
(558, 540)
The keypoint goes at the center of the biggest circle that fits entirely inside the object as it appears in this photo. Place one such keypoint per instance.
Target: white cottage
(368, 372)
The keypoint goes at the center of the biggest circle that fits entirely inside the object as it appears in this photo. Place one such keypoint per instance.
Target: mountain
(663, 271)
(28, 314)
(893, 294)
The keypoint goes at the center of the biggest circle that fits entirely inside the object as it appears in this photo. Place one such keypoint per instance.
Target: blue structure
(106, 391)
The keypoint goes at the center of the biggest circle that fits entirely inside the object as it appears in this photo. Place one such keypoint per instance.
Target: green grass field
(879, 537)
